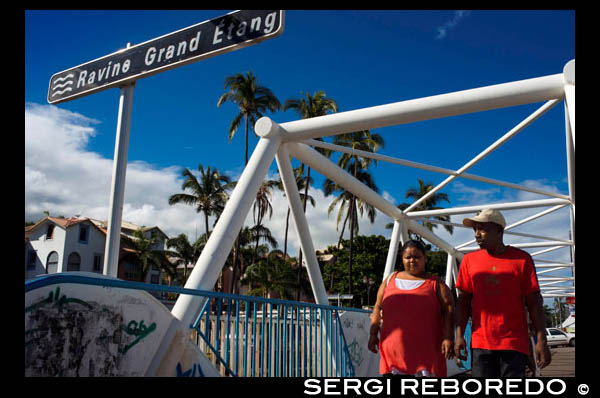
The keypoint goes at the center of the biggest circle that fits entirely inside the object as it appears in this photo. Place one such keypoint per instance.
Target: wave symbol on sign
(58, 87)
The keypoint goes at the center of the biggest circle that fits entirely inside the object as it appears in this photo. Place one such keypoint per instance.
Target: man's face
(487, 234)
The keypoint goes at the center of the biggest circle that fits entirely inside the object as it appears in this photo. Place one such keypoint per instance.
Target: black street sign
(209, 38)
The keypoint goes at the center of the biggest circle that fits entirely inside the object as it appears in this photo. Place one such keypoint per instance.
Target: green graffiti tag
(59, 301)
(139, 331)
(356, 352)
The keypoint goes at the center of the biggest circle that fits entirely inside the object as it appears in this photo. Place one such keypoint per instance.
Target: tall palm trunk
(304, 210)
(287, 224)
(352, 206)
(352, 221)
(206, 224)
(246, 144)
(234, 282)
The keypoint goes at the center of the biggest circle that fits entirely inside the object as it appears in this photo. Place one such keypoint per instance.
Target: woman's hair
(413, 243)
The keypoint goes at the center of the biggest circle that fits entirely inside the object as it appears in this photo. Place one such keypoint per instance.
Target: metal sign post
(123, 68)
(117, 190)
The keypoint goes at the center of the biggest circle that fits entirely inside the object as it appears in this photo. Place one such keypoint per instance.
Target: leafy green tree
(271, 274)
(252, 100)
(370, 256)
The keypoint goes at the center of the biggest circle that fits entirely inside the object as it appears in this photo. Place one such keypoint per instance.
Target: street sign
(226, 33)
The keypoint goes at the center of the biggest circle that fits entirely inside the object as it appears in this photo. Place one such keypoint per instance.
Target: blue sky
(359, 58)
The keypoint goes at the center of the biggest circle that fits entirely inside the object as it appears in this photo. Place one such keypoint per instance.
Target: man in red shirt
(497, 283)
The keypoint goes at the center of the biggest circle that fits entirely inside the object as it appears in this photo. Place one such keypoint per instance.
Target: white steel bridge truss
(280, 141)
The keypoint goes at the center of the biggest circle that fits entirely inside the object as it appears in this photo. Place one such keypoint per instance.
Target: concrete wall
(83, 330)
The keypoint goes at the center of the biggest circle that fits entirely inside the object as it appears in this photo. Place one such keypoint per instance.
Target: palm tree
(365, 141)
(246, 255)
(430, 203)
(262, 203)
(184, 252)
(144, 251)
(208, 195)
(252, 100)
(344, 200)
(308, 107)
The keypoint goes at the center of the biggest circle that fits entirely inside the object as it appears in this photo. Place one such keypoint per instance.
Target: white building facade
(77, 244)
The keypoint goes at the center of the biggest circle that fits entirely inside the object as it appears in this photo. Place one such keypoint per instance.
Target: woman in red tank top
(413, 316)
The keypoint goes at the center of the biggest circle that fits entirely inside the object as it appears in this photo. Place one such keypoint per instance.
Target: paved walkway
(563, 363)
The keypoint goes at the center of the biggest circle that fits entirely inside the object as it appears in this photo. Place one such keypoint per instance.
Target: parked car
(557, 337)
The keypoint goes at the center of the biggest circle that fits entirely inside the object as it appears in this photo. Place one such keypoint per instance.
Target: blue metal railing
(253, 336)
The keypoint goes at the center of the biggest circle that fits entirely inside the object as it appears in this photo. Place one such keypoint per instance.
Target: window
(154, 279)
(84, 231)
(52, 263)
(556, 333)
(74, 262)
(132, 271)
(98, 266)
(50, 231)
(31, 255)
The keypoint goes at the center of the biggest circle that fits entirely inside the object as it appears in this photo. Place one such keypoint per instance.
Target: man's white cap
(486, 215)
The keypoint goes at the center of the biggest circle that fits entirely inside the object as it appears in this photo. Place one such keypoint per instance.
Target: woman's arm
(447, 303)
(376, 320)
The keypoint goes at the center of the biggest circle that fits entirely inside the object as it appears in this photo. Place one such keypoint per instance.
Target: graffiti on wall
(68, 336)
(194, 371)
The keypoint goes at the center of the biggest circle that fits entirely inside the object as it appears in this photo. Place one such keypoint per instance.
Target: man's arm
(536, 313)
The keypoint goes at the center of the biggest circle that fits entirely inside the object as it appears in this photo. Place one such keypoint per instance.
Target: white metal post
(393, 250)
(117, 191)
(449, 270)
(209, 264)
(291, 191)
(404, 237)
(569, 73)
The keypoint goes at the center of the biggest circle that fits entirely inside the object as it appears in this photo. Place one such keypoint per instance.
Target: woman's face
(413, 260)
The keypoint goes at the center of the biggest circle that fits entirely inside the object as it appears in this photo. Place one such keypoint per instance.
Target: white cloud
(458, 16)
(63, 176)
